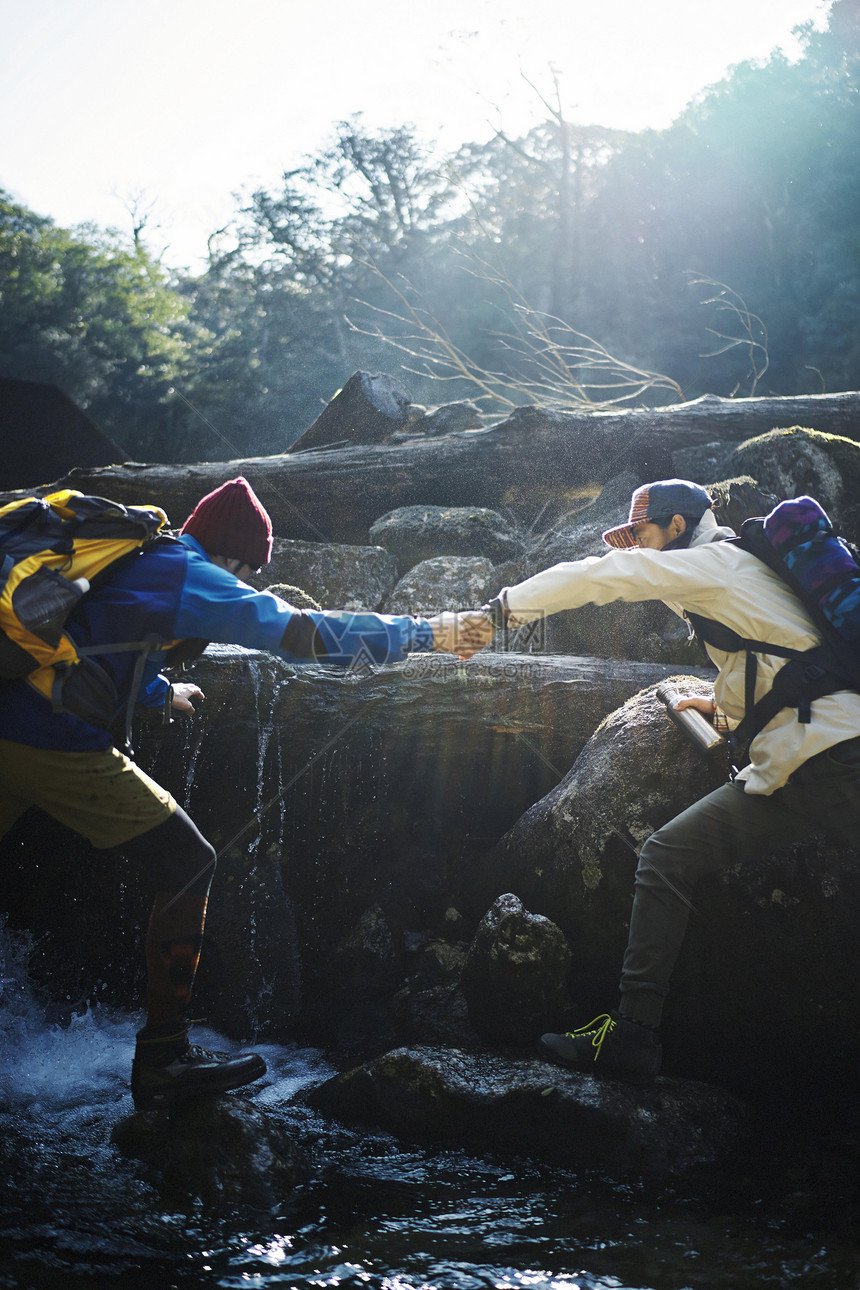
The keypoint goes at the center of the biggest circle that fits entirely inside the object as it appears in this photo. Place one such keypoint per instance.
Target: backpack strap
(807, 675)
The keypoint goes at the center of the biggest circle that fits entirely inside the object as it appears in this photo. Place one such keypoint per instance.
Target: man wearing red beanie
(233, 518)
(179, 594)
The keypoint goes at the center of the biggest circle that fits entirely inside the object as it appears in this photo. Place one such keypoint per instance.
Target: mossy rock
(293, 595)
(795, 461)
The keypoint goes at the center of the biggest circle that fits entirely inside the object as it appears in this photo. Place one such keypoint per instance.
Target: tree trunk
(533, 458)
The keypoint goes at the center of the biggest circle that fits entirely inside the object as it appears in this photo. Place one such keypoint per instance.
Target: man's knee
(176, 854)
(672, 858)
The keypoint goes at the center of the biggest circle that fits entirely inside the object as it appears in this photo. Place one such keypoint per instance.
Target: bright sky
(184, 103)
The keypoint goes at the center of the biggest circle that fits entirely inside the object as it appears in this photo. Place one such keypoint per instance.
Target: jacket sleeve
(697, 579)
(153, 694)
(216, 606)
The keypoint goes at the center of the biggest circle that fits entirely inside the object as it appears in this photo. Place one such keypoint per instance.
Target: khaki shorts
(101, 795)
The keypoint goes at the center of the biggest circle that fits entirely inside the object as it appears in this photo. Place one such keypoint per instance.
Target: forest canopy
(576, 266)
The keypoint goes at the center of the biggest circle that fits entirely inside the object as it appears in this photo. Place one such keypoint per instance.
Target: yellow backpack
(52, 549)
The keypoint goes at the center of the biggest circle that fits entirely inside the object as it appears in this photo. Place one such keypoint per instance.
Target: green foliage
(79, 310)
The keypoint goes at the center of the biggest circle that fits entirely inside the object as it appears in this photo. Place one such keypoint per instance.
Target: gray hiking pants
(725, 828)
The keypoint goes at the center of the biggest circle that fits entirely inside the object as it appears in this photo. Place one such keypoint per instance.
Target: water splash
(48, 1073)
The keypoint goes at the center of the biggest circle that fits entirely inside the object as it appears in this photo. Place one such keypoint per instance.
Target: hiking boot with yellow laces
(610, 1045)
(167, 1070)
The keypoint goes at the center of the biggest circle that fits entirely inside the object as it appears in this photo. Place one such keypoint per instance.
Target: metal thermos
(694, 725)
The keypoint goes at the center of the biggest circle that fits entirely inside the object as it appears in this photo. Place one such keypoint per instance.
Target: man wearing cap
(800, 776)
(182, 594)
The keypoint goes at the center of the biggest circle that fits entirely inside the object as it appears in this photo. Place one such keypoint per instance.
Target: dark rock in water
(367, 958)
(221, 1150)
(445, 582)
(537, 1109)
(515, 975)
(416, 533)
(437, 1014)
(430, 1006)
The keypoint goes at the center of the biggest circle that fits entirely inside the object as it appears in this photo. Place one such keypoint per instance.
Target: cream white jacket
(719, 581)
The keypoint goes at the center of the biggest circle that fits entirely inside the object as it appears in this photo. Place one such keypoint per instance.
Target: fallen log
(532, 459)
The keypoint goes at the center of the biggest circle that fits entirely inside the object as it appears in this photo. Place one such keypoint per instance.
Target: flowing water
(377, 1213)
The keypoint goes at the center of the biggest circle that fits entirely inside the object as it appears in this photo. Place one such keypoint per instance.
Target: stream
(377, 1212)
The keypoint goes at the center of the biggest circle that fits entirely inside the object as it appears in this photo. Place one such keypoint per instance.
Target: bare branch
(553, 364)
(727, 300)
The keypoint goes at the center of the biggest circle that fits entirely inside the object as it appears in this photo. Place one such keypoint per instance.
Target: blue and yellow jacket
(172, 592)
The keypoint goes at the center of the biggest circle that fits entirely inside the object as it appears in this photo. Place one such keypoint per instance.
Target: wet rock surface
(536, 1108)
(221, 1150)
(326, 794)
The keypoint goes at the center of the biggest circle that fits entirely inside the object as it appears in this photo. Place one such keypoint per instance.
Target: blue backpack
(798, 541)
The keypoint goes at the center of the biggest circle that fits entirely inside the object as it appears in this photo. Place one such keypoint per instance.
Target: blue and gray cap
(659, 502)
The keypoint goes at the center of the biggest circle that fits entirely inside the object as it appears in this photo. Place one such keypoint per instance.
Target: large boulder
(536, 1109)
(369, 409)
(764, 991)
(416, 533)
(446, 582)
(337, 576)
(794, 461)
(572, 855)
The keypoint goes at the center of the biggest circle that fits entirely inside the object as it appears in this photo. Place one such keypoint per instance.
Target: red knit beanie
(232, 521)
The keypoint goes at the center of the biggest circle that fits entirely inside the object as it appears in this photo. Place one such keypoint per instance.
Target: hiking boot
(609, 1045)
(167, 1070)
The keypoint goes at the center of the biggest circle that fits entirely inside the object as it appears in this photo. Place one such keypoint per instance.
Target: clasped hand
(462, 633)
